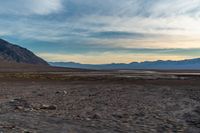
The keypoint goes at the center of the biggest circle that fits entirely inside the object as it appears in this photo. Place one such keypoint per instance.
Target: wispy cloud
(163, 8)
(27, 7)
(117, 35)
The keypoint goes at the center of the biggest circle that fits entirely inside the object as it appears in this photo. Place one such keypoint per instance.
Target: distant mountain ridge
(189, 64)
(15, 54)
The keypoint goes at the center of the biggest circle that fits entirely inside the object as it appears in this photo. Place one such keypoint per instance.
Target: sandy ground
(100, 102)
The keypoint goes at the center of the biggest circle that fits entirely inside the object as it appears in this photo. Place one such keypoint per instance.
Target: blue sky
(103, 31)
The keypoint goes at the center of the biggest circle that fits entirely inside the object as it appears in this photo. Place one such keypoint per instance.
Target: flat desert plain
(121, 101)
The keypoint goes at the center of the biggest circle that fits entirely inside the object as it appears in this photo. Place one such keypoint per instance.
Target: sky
(103, 31)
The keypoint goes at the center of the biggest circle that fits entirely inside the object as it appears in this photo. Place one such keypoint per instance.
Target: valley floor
(100, 102)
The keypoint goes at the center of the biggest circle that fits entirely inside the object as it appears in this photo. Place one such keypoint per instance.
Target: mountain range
(12, 55)
(189, 64)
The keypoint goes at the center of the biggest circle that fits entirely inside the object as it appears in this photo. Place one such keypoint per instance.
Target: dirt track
(99, 103)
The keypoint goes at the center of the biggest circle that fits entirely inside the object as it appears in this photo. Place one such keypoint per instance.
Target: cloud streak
(28, 7)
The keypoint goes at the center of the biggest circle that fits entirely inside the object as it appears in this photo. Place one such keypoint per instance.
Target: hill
(15, 54)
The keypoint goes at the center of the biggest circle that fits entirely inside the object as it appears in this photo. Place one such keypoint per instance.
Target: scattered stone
(40, 94)
(119, 116)
(193, 119)
(8, 126)
(57, 92)
(197, 110)
(48, 107)
(140, 114)
(96, 116)
(26, 131)
(65, 92)
(19, 104)
(19, 108)
(88, 119)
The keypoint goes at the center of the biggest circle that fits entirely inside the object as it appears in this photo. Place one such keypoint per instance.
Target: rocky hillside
(15, 54)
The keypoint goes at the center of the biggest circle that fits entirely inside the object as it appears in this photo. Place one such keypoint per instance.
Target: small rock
(26, 131)
(40, 94)
(19, 104)
(57, 92)
(118, 116)
(48, 107)
(19, 108)
(8, 126)
(197, 110)
(96, 116)
(88, 119)
(65, 92)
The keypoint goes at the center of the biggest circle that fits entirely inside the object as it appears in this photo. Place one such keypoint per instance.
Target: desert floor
(100, 102)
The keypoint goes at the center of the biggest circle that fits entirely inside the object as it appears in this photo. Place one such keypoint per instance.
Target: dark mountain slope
(13, 53)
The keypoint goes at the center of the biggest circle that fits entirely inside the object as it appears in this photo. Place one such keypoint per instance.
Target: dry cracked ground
(99, 102)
